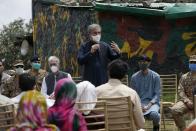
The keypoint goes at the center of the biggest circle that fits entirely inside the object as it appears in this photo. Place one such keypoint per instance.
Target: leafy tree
(10, 48)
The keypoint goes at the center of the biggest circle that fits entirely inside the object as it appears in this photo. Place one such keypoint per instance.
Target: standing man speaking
(95, 55)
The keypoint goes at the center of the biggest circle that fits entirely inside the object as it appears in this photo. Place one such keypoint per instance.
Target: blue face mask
(192, 67)
(36, 66)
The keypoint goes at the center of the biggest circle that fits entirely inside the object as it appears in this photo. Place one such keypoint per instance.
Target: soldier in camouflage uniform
(11, 87)
(37, 72)
(185, 90)
(3, 76)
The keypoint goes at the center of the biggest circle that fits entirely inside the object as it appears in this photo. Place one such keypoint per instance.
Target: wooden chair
(169, 89)
(194, 106)
(168, 97)
(77, 79)
(97, 120)
(7, 116)
(120, 114)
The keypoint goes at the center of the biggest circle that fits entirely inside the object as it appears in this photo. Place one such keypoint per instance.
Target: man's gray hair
(93, 26)
(53, 58)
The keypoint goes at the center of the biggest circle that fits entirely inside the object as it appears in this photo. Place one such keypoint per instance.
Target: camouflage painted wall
(167, 42)
(59, 31)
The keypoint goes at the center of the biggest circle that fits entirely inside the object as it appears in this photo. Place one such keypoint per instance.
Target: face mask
(23, 51)
(36, 66)
(19, 70)
(143, 66)
(192, 67)
(54, 69)
(96, 38)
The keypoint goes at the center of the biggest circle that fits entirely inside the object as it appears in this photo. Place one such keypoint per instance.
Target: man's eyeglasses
(53, 64)
(19, 66)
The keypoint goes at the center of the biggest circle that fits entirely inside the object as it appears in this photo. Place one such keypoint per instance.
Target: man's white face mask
(96, 38)
(23, 51)
(19, 70)
(54, 69)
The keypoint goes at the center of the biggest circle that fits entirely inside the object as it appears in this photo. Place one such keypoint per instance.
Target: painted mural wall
(168, 42)
(60, 31)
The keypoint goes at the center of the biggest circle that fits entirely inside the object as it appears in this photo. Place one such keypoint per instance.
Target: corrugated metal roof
(168, 10)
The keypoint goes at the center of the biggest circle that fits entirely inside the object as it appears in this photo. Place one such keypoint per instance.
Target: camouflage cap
(192, 58)
(18, 62)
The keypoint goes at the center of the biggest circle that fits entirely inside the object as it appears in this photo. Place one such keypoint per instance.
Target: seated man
(185, 90)
(147, 84)
(49, 82)
(114, 88)
(37, 72)
(3, 76)
(86, 92)
(11, 86)
(26, 83)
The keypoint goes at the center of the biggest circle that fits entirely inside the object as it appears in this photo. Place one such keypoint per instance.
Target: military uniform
(39, 77)
(11, 87)
(4, 78)
(185, 90)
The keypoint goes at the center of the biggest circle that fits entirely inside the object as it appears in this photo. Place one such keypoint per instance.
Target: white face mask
(23, 51)
(96, 38)
(19, 70)
(54, 69)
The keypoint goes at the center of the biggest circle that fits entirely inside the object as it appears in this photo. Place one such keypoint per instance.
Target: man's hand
(144, 109)
(189, 104)
(115, 47)
(94, 48)
(147, 107)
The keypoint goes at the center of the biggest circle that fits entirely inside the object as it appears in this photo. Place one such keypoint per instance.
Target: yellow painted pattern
(144, 44)
(126, 49)
(34, 29)
(190, 48)
(65, 16)
(54, 9)
(188, 35)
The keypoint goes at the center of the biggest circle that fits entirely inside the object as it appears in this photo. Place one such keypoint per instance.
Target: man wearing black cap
(147, 84)
(37, 72)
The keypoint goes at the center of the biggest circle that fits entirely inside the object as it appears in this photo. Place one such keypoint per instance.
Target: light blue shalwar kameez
(148, 88)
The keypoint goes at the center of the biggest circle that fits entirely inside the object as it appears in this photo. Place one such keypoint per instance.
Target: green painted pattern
(60, 31)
